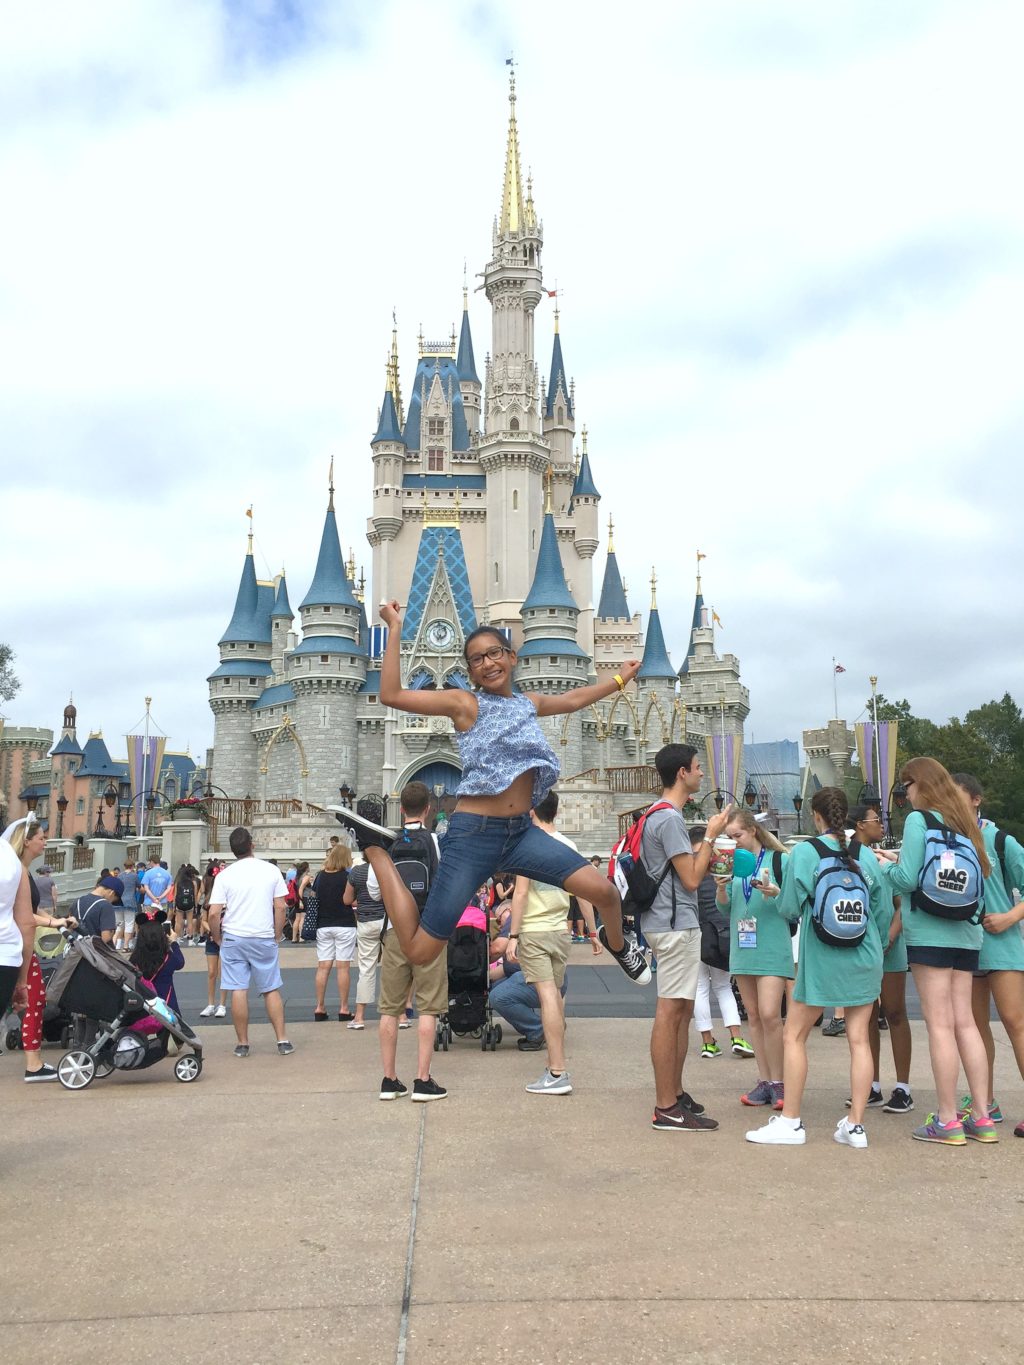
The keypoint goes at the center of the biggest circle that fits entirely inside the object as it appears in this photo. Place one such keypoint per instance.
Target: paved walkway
(275, 1211)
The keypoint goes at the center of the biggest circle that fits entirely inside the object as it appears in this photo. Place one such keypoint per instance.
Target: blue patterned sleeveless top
(505, 742)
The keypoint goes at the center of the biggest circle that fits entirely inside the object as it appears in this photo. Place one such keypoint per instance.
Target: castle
(483, 511)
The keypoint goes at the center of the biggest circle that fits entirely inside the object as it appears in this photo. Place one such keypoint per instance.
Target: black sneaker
(45, 1073)
(392, 1089)
(428, 1090)
(899, 1102)
(688, 1102)
(678, 1119)
(874, 1100)
(366, 822)
(629, 958)
(835, 1028)
(530, 1044)
(883, 1023)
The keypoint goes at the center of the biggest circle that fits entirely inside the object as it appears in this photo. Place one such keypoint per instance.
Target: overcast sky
(789, 240)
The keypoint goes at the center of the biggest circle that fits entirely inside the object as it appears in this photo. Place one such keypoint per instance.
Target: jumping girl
(760, 957)
(508, 767)
(828, 974)
(943, 955)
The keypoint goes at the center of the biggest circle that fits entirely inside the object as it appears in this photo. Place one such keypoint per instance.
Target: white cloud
(790, 243)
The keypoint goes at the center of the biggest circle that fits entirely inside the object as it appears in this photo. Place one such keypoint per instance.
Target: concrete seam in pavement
(403, 1325)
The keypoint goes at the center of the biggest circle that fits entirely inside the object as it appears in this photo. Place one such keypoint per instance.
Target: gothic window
(435, 426)
(80, 806)
(325, 717)
(561, 415)
(514, 424)
(435, 460)
(515, 500)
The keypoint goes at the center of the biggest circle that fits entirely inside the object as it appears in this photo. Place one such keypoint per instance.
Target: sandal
(344, 1018)
(320, 1016)
(355, 1025)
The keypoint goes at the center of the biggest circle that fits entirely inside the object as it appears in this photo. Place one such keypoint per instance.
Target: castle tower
(584, 506)
(550, 658)
(469, 382)
(388, 447)
(710, 684)
(244, 672)
(616, 631)
(656, 681)
(326, 671)
(514, 454)
(559, 422)
(281, 618)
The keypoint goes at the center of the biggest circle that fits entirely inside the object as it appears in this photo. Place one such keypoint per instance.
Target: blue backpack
(951, 885)
(839, 912)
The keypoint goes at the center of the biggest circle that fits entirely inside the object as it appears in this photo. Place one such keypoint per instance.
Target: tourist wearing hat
(95, 910)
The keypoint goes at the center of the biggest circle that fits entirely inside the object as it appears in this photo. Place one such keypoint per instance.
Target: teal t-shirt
(826, 975)
(772, 953)
(1002, 952)
(895, 959)
(919, 928)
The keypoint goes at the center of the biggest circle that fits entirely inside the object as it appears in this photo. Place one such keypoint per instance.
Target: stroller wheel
(12, 1040)
(485, 1041)
(104, 1064)
(75, 1070)
(188, 1068)
(497, 1034)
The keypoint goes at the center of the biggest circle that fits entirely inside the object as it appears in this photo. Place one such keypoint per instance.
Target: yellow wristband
(622, 685)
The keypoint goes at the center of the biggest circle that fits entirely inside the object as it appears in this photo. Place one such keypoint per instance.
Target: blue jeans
(518, 1004)
(477, 846)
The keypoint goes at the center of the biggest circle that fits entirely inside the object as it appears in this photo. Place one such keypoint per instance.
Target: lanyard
(747, 884)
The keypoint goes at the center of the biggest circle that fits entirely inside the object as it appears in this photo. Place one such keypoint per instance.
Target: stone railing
(132, 852)
(82, 858)
(639, 778)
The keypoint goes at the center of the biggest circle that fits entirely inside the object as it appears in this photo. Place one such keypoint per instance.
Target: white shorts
(678, 954)
(336, 945)
(125, 918)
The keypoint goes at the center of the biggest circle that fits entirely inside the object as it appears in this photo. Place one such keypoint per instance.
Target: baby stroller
(119, 1025)
(468, 1009)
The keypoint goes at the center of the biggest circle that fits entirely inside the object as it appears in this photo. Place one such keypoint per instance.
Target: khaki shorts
(398, 975)
(543, 956)
(678, 954)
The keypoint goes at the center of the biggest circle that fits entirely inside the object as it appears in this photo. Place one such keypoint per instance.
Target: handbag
(311, 905)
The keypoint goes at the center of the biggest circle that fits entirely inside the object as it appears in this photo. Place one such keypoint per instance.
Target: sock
(790, 1123)
(900, 1085)
(876, 1088)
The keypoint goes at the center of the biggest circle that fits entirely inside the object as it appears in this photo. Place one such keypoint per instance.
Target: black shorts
(960, 959)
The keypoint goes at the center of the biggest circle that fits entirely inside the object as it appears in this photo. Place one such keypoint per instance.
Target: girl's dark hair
(300, 872)
(483, 630)
(698, 833)
(150, 949)
(970, 784)
(831, 804)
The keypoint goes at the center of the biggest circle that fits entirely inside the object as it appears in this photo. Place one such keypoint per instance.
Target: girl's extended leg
(935, 988)
(894, 1003)
(1008, 993)
(770, 990)
(799, 1022)
(981, 1004)
(969, 1044)
(861, 1064)
(748, 988)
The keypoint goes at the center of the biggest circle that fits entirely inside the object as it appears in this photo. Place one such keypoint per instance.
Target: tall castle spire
(513, 210)
(656, 663)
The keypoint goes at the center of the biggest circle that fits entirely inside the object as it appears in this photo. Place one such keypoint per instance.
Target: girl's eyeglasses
(493, 654)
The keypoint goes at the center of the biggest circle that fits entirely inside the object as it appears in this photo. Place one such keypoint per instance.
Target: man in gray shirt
(671, 927)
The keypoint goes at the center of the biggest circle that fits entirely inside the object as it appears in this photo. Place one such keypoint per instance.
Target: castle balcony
(418, 732)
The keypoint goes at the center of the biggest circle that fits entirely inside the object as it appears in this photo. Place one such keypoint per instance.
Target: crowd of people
(777, 936)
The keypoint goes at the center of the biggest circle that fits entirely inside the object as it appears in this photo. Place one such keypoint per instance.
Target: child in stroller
(469, 1011)
(121, 1023)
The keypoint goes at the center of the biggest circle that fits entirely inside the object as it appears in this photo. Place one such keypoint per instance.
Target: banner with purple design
(725, 759)
(145, 755)
(878, 743)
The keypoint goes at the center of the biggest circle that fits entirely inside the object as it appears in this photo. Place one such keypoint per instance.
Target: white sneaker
(220, 1012)
(208, 1013)
(778, 1132)
(850, 1134)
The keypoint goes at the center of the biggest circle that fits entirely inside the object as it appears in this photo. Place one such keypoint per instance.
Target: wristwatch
(512, 936)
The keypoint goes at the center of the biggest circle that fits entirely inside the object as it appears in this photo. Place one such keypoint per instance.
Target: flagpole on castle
(835, 691)
(873, 680)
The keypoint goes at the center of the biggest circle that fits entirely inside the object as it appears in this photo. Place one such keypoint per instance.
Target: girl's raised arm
(577, 698)
(458, 705)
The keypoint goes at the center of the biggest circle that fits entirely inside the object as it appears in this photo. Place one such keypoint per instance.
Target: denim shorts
(960, 959)
(477, 846)
(245, 961)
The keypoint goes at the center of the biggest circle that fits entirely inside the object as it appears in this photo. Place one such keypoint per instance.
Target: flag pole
(835, 691)
(873, 680)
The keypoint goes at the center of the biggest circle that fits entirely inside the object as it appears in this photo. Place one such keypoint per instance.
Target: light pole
(750, 794)
(798, 805)
(62, 805)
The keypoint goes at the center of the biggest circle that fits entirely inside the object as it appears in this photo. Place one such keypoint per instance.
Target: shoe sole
(754, 1104)
(40, 1080)
(709, 1056)
(757, 1142)
(350, 817)
(986, 1139)
(425, 1099)
(941, 1141)
(566, 1090)
(845, 1142)
(905, 1110)
(679, 1128)
(393, 1095)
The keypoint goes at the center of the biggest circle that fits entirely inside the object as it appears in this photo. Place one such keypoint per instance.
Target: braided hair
(831, 804)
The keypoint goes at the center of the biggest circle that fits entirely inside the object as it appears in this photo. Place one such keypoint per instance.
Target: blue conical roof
(584, 486)
(388, 428)
(557, 378)
(248, 622)
(698, 620)
(330, 586)
(549, 586)
(656, 663)
(66, 745)
(96, 760)
(613, 604)
(466, 364)
(282, 607)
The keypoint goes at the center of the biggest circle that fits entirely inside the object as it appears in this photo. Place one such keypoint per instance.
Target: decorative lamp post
(750, 793)
(719, 801)
(798, 805)
(62, 805)
(347, 795)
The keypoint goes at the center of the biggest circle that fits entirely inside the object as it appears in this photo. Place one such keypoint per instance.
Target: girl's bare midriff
(514, 800)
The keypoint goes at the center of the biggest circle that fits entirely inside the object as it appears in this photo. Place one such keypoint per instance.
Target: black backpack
(186, 897)
(414, 855)
(714, 927)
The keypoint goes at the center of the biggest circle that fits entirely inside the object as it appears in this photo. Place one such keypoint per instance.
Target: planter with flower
(188, 808)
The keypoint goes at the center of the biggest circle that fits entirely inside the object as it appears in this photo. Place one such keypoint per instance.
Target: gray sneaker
(242, 1050)
(552, 1085)
(285, 1047)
